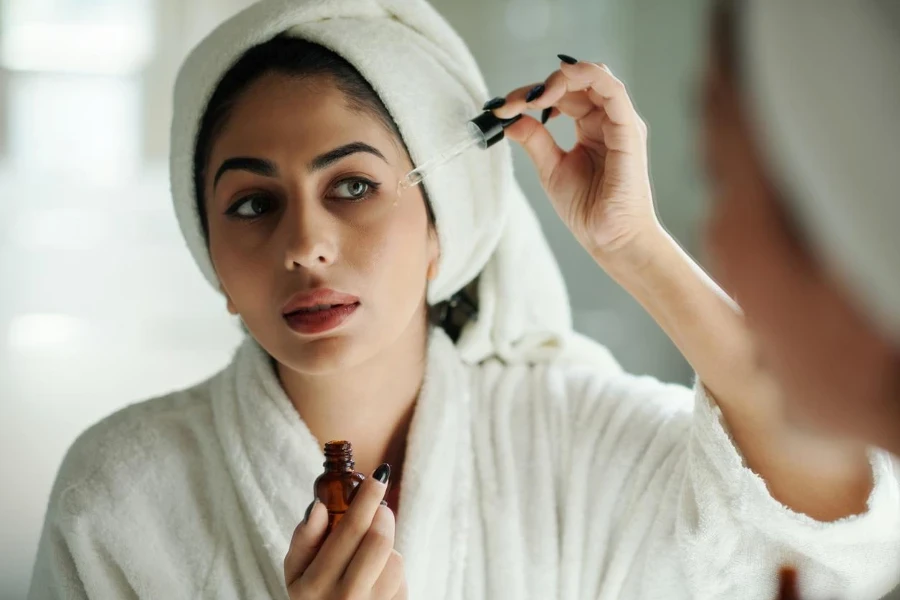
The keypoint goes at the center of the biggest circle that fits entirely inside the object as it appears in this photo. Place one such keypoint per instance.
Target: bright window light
(108, 37)
(44, 331)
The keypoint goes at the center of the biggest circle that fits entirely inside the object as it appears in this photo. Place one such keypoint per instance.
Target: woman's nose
(311, 237)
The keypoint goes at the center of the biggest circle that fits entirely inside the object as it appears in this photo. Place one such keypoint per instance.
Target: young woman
(523, 462)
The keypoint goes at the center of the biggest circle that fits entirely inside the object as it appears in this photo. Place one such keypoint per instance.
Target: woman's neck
(370, 405)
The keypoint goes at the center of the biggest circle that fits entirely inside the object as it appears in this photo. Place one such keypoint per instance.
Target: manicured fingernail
(382, 473)
(545, 114)
(535, 93)
(567, 59)
(507, 122)
(309, 510)
(494, 103)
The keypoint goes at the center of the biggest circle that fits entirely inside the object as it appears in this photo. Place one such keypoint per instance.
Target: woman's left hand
(601, 187)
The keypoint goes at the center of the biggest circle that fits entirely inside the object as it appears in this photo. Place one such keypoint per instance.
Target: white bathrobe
(521, 482)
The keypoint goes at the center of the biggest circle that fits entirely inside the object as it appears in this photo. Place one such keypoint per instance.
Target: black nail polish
(308, 511)
(545, 114)
(382, 473)
(535, 93)
(567, 59)
(494, 103)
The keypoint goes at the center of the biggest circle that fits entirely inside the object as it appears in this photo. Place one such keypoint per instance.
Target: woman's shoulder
(586, 422)
(586, 373)
(127, 450)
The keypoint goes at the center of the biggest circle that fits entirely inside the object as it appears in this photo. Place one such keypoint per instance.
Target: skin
(358, 378)
(840, 377)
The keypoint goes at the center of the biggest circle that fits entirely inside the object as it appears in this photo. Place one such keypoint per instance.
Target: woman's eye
(355, 189)
(250, 207)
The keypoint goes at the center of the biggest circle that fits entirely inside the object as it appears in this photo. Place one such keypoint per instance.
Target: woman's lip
(317, 297)
(320, 321)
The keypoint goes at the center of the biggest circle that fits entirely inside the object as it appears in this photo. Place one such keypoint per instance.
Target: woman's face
(837, 375)
(301, 194)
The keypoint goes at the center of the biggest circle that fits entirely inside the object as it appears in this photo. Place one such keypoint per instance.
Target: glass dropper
(483, 131)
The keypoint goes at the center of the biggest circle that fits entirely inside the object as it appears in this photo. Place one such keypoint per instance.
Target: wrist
(667, 282)
(644, 256)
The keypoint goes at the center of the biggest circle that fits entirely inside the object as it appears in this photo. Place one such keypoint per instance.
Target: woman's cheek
(386, 243)
(365, 248)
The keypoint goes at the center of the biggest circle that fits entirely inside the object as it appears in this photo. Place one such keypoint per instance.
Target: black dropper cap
(489, 127)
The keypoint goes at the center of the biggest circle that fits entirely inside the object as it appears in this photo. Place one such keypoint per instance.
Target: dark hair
(301, 58)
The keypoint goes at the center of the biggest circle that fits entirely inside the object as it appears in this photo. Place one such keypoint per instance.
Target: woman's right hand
(357, 560)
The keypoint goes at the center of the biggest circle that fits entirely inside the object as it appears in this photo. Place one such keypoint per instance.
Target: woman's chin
(322, 356)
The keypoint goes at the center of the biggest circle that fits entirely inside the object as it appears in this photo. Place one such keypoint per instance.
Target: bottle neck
(338, 457)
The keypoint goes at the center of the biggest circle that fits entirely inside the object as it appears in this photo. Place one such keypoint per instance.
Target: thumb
(403, 592)
(543, 150)
(305, 542)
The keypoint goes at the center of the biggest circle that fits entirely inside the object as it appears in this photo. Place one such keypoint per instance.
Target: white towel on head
(430, 83)
(824, 83)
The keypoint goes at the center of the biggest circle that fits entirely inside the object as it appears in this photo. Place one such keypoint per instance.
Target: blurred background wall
(100, 302)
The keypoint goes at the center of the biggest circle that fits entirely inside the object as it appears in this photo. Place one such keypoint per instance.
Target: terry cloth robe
(521, 482)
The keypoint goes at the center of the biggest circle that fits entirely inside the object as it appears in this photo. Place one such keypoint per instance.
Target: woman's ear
(434, 254)
(228, 302)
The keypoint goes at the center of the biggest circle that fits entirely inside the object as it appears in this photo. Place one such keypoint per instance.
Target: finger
(543, 150)
(403, 592)
(345, 538)
(373, 553)
(531, 96)
(570, 96)
(609, 91)
(549, 113)
(577, 104)
(558, 90)
(391, 582)
(305, 543)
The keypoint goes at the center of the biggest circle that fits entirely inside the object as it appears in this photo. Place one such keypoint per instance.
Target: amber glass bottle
(334, 487)
(787, 584)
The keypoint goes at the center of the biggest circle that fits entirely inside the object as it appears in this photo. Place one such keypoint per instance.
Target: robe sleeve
(729, 525)
(688, 513)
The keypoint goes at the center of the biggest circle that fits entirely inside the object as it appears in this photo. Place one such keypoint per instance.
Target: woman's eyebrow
(259, 166)
(324, 160)
(267, 168)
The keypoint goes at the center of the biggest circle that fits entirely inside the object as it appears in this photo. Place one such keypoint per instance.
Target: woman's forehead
(303, 114)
